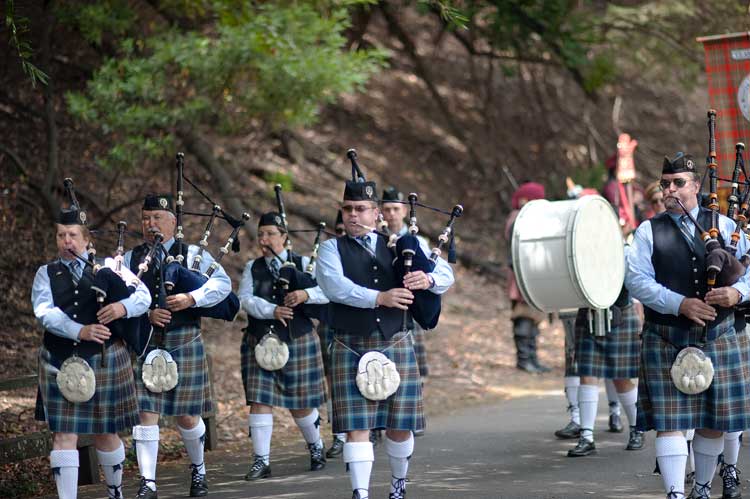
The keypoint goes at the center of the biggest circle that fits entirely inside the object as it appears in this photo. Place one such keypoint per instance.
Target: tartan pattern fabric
(614, 356)
(571, 362)
(112, 409)
(725, 406)
(419, 349)
(351, 411)
(192, 395)
(298, 385)
(725, 74)
(325, 338)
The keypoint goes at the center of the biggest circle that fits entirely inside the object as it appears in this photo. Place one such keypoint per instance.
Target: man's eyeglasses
(678, 182)
(349, 209)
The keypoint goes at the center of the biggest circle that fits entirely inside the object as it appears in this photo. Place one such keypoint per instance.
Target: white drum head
(597, 254)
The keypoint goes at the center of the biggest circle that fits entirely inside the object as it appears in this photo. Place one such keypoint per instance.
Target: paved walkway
(505, 450)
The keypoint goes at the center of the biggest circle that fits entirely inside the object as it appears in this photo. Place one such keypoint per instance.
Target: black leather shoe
(582, 448)
(337, 448)
(635, 442)
(258, 470)
(730, 475)
(400, 485)
(700, 491)
(198, 483)
(418, 433)
(317, 456)
(572, 430)
(615, 423)
(144, 492)
(527, 366)
(356, 495)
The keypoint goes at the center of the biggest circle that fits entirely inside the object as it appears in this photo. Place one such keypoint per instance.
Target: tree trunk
(49, 112)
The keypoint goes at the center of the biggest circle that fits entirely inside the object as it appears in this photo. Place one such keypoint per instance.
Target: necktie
(275, 268)
(686, 232)
(75, 271)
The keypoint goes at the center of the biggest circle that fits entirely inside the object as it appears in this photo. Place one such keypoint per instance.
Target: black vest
(79, 303)
(152, 280)
(374, 272)
(680, 269)
(264, 286)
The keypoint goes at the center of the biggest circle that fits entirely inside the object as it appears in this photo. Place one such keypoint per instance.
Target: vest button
(695, 270)
(374, 267)
(697, 293)
(375, 280)
(75, 316)
(75, 303)
(377, 319)
(693, 258)
(75, 292)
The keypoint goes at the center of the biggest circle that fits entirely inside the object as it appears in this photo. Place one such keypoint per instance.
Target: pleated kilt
(351, 411)
(112, 409)
(571, 362)
(725, 406)
(419, 350)
(300, 384)
(325, 338)
(614, 356)
(192, 395)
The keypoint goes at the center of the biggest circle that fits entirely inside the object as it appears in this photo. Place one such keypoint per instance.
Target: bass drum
(568, 254)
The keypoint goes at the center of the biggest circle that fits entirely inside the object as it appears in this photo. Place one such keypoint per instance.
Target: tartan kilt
(325, 338)
(419, 349)
(300, 384)
(112, 409)
(571, 362)
(725, 406)
(351, 411)
(614, 356)
(192, 395)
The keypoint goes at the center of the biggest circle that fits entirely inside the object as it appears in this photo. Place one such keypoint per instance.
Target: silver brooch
(163, 202)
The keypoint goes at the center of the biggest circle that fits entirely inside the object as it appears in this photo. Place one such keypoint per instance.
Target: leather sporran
(377, 376)
(76, 380)
(271, 353)
(692, 371)
(159, 371)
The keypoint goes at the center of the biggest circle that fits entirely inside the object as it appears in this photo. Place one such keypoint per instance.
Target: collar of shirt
(676, 216)
(403, 231)
(168, 244)
(282, 255)
(84, 255)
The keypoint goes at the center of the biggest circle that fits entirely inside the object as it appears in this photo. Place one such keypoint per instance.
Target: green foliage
(95, 19)
(18, 28)
(278, 177)
(273, 63)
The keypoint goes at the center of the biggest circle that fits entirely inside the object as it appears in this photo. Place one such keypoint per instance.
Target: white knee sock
(111, 463)
(732, 447)
(359, 457)
(310, 427)
(261, 429)
(340, 436)
(612, 397)
(194, 440)
(628, 400)
(147, 450)
(671, 454)
(707, 452)
(64, 464)
(588, 399)
(398, 455)
(571, 393)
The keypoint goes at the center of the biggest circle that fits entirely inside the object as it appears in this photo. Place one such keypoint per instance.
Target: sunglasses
(678, 182)
(349, 209)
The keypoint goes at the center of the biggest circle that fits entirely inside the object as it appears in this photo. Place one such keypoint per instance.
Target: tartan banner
(728, 70)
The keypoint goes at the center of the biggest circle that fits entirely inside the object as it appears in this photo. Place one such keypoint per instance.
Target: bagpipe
(180, 279)
(111, 285)
(408, 253)
(290, 277)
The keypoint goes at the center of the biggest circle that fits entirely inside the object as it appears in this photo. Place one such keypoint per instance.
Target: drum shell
(568, 254)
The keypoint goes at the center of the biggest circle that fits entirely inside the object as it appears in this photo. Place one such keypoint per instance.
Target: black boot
(534, 359)
(259, 469)
(317, 456)
(198, 483)
(144, 491)
(582, 448)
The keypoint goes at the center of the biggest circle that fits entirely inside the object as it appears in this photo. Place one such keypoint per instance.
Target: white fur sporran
(692, 371)
(377, 376)
(159, 371)
(76, 380)
(271, 353)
